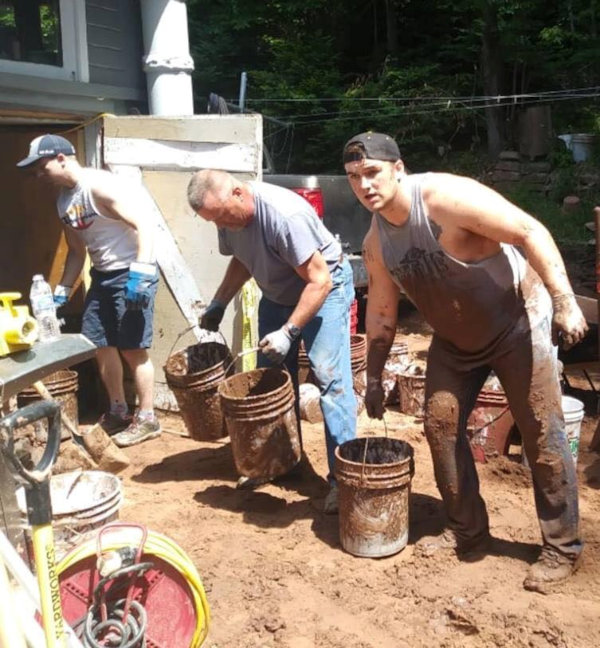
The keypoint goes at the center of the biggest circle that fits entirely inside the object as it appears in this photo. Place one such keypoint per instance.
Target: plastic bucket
(82, 502)
(63, 386)
(194, 375)
(374, 476)
(411, 393)
(573, 411)
(258, 408)
(489, 425)
(581, 146)
(396, 362)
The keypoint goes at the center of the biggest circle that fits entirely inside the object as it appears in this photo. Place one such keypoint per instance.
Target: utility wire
(571, 92)
(344, 116)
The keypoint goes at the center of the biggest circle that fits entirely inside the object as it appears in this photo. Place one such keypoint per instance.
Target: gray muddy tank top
(470, 305)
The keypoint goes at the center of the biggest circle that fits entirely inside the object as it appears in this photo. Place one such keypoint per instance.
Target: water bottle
(44, 309)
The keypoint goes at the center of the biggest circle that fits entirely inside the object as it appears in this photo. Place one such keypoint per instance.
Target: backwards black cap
(375, 146)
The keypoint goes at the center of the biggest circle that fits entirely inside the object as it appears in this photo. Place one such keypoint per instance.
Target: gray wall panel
(115, 49)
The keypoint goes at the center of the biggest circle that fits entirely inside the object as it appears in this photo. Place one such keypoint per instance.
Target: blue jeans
(327, 342)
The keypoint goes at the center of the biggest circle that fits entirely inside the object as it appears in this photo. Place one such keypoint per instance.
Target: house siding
(115, 46)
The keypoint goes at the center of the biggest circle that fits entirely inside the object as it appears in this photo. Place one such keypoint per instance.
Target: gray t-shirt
(284, 234)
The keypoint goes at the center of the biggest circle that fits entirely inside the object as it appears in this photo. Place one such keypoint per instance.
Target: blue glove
(277, 345)
(212, 316)
(61, 295)
(138, 289)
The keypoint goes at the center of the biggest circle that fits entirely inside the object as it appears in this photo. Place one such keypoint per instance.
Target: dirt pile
(276, 576)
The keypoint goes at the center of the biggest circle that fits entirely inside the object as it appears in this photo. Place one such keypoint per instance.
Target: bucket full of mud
(374, 476)
(194, 375)
(258, 408)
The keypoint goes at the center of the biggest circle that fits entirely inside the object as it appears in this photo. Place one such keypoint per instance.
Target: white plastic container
(573, 411)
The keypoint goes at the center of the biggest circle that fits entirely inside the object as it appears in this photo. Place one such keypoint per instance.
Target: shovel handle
(24, 416)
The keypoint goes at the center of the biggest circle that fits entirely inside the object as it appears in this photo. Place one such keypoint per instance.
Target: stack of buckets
(258, 408)
(82, 503)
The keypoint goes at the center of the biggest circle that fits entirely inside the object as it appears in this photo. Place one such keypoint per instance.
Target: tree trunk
(491, 67)
(391, 27)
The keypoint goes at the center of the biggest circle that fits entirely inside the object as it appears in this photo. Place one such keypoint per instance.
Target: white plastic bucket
(581, 146)
(573, 412)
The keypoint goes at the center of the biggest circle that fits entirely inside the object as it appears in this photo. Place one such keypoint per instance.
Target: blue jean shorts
(106, 320)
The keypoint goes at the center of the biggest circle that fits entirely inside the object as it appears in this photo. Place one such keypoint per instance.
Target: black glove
(212, 316)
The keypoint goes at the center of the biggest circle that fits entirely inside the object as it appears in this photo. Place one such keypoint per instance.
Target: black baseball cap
(47, 146)
(375, 146)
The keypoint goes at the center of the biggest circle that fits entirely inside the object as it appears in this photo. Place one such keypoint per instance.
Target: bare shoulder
(106, 185)
(438, 187)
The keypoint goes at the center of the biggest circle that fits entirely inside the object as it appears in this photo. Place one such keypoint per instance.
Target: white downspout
(167, 63)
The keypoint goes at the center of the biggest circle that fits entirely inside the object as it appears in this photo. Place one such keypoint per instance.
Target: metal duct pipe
(167, 63)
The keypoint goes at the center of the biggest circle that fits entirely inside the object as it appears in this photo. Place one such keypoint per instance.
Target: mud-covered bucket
(374, 476)
(258, 408)
(194, 375)
(82, 502)
(411, 390)
(489, 425)
(62, 386)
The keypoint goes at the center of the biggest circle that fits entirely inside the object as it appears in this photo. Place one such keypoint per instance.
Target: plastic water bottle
(44, 309)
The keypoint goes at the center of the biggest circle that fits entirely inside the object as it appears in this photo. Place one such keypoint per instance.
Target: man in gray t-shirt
(275, 236)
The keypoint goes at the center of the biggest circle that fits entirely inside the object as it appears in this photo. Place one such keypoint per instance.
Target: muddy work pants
(525, 362)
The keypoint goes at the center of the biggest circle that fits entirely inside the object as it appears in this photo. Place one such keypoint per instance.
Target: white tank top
(112, 244)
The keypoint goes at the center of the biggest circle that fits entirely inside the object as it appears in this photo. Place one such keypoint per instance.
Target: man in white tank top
(490, 281)
(104, 218)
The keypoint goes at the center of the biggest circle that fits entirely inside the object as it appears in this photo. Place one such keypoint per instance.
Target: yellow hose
(163, 547)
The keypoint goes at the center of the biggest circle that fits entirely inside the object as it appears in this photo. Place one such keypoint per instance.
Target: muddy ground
(276, 575)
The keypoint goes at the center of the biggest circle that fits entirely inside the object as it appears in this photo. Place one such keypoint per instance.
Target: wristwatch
(293, 330)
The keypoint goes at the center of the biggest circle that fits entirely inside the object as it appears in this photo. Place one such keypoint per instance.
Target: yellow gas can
(18, 330)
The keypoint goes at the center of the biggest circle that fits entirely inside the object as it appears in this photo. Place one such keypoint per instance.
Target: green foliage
(563, 227)
(331, 68)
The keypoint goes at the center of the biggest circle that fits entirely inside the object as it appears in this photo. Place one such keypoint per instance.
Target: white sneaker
(330, 505)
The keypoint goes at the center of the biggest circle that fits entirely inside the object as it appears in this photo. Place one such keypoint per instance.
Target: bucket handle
(364, 459)
(187, 330)
(239, 355)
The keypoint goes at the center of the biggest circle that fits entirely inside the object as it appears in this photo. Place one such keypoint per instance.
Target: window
(30, 31)
(44, 37)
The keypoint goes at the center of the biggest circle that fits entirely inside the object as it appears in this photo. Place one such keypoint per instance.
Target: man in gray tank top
(490, 281)
(105, 218)
(275, 236)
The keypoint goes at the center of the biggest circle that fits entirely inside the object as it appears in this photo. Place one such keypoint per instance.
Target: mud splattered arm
(465, 203)
(382, 313)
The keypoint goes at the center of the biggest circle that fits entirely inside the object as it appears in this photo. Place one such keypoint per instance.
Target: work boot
(251, 483)
(330, 505)
(112, 423)
(427, 546)
(550, 569)
(139, 430)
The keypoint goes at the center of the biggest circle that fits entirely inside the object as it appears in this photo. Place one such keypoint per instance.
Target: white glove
(276, 345)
